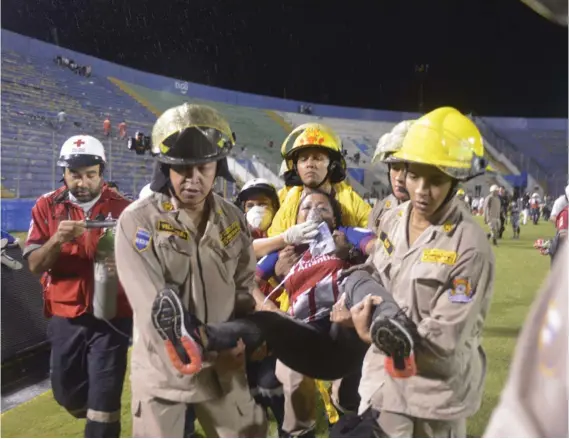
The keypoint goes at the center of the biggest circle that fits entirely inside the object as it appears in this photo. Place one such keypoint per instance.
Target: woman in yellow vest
(314, 161)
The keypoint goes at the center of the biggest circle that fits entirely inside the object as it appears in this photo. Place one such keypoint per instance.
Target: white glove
(301, 233)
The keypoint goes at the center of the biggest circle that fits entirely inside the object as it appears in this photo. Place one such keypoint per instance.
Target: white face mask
(260, 217)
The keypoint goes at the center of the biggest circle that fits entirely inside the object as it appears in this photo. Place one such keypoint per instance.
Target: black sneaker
(395, 337)
(180, 332)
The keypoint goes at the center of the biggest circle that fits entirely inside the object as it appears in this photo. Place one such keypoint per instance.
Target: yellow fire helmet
(460, 193)
(391, 142)
(447, 139)
(314, 135)
(191, 134)
(311, 135)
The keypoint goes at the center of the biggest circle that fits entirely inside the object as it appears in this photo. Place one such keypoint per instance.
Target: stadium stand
(34, 90)
(536, 145)
(254, 128)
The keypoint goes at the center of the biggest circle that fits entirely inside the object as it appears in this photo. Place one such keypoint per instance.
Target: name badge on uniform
(142, 239)
(387, 245)
(228, 235)
(164, 226)
(436, 255)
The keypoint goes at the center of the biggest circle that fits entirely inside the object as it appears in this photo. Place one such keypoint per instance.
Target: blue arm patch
(358, 237)
(266, 266)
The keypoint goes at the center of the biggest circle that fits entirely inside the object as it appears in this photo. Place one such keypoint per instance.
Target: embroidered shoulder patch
(436, 255)
(461, 291)
(551, 342)
(142, 239)
(228, 235)
(164, 226)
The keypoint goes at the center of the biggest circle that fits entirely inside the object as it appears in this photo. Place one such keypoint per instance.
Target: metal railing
(522, 161)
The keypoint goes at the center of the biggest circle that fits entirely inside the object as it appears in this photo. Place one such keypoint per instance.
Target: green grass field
(519, 273)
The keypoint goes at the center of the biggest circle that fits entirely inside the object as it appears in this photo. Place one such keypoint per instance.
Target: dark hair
(112, 184)
(336, 206)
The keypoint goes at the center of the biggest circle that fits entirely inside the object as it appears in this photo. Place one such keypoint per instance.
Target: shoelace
(410, 325)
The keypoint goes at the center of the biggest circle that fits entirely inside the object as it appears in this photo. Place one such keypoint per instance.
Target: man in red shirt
(89, 355)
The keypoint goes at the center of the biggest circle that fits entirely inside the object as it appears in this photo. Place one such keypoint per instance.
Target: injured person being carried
(304, 338)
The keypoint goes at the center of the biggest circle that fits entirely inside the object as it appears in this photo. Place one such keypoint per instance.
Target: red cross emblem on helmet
(79, 143)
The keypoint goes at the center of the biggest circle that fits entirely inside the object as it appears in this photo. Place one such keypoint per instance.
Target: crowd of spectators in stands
(73, 66)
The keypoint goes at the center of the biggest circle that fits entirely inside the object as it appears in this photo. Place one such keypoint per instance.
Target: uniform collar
(446, 225)
(169, 205)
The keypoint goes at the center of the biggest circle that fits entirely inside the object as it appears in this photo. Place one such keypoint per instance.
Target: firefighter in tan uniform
(435, 260)
(387, 145)
(186, 250)
(534, 401)
(492, 209)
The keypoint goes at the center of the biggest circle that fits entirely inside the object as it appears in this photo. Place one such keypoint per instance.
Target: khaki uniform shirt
(445, 282)
(157, 245)
(492, 208)
(382, 206)
(534, 401)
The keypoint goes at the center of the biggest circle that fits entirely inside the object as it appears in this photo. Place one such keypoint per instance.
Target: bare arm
(264, 246)
(43, 258)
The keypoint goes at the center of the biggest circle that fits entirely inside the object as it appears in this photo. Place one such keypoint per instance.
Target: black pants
(360, 284)
(88, 366)
(356, 286)
(503, 219)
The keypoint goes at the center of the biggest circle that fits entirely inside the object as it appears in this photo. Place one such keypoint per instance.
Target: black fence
(25, 349)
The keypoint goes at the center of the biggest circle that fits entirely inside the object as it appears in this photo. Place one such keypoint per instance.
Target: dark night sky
(493, 57)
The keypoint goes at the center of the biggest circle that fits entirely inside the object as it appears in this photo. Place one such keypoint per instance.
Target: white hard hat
(391, 142)
(82, 150)
(257, 182)
(145, 192)
(535, 195)
(494, 188)
(567, 191)
(261, 185)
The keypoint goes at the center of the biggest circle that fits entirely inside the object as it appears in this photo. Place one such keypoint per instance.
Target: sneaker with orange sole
(180, 332)
(395, 337)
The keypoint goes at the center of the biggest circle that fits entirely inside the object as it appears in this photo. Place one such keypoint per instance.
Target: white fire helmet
(258, 185)
(494, 188)
(80, 151)
(145, 192)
